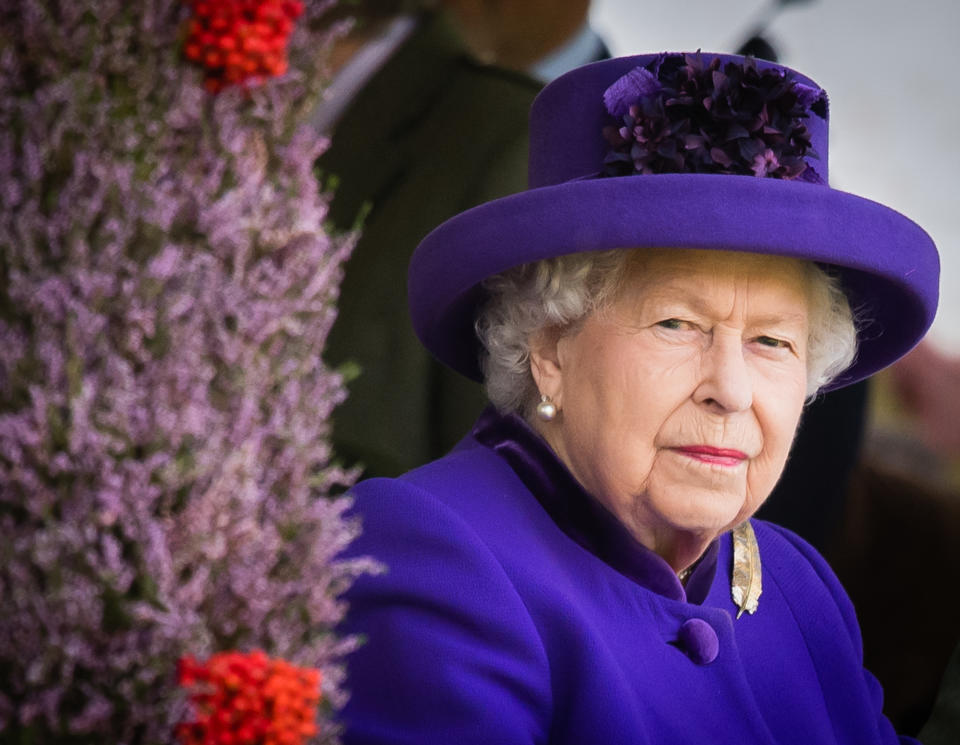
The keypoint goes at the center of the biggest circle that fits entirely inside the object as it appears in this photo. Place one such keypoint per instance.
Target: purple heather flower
(168, 480)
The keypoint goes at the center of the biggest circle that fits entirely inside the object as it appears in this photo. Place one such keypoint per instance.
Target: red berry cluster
(249, 699)
(236, 40)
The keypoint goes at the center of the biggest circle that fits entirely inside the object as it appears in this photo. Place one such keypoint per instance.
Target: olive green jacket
(431, 134)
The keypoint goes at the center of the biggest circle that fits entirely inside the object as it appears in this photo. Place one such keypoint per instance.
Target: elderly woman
(649, 319)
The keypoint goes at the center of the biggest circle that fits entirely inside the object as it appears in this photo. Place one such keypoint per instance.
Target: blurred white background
(892, 72)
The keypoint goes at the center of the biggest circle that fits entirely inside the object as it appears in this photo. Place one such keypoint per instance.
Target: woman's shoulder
(470, 500)
(436, 527)
(471, 484)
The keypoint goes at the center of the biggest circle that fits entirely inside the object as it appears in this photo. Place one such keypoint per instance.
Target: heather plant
(167, 486)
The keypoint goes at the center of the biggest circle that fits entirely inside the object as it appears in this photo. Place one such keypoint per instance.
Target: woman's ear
(545, 363)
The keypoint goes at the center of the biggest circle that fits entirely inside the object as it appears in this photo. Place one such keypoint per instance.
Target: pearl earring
(546, 409)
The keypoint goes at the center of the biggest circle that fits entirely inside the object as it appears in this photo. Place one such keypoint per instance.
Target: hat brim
(888, 265)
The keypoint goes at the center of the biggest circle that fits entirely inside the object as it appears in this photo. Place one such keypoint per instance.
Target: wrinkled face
(679, 402)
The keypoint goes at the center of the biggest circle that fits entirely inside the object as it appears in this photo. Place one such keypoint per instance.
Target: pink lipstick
(714, 456)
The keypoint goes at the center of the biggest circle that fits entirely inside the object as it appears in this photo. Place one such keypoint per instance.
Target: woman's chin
(700, 498)
(699, 513)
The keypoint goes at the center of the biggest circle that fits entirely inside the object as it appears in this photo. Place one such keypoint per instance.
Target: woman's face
(679, 401)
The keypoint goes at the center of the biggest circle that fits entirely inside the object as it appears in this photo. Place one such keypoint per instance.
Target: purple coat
(498, 623)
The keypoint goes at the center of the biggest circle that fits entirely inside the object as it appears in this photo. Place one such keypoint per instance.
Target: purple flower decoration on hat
(678, 115)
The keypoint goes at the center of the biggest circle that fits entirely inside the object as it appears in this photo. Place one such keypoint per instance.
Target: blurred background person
(420, 130)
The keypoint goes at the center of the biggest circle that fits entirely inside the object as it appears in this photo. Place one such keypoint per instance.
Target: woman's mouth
(712, 455)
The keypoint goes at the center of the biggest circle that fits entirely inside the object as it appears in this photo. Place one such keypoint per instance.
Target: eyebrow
(698, 304)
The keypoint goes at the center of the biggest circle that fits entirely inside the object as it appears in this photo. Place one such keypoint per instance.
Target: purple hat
(693, 151)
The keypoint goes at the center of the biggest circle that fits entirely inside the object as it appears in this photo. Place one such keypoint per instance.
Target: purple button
(699, 640)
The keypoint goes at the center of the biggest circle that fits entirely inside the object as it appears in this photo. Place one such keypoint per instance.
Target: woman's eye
(769, 341)
(672, 323)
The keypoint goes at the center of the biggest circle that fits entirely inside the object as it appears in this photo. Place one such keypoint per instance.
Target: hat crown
(568, 118)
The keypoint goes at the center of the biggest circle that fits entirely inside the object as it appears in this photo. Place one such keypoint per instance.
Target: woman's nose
(725, 383)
